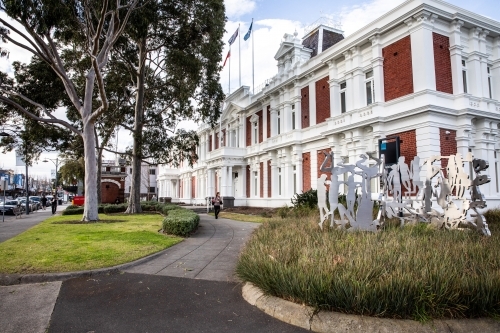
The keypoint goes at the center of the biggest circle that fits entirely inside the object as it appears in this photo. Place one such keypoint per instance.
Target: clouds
(357, 16)
(237, 8)
(16, 53)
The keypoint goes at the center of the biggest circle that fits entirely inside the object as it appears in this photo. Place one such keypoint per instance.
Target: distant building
(113, 177)
(149, 186)
(427, 71)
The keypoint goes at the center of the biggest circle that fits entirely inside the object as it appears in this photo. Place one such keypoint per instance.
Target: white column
(456, 56)
(348, 81)
(357, 80)
(274, 121)
(241, 132)
(288, 176)
(422, 51)
(475, 86)
(296, 100)
(334, 89)
(229, 181)
(211, 183)
(484, 63)
(299, 173)
(495, 69)
(243, 181)
(312, 101)
(378, 68)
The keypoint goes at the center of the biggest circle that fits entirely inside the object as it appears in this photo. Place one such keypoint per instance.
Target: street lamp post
(56, 163)
(3, 133)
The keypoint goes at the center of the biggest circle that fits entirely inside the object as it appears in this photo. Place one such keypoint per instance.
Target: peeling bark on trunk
(134, 203)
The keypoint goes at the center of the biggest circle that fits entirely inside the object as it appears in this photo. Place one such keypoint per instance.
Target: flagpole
(229, 93)
(253, 78)
(239, 51)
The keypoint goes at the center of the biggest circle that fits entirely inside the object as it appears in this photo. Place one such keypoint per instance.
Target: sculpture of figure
(394, 184)
(462, 181)
(404, 171)
(415, 175)
(431, 171)
(323, 209)
(444, 192)
(333, 197)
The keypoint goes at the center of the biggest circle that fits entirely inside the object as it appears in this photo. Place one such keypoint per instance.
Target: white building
(427, 71)
(149, 187)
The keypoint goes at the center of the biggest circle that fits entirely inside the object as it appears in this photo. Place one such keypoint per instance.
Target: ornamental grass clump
(414, 272)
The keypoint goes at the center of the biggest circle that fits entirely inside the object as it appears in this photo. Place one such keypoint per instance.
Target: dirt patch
(252, 210)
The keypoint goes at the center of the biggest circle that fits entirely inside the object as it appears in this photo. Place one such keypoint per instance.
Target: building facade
(427, 71)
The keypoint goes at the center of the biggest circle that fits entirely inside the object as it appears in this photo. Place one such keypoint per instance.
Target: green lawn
(64, 244)
(242, 217)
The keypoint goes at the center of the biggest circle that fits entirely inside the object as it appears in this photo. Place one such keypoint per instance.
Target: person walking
(44, 201)
(217, 201)
(54, 205)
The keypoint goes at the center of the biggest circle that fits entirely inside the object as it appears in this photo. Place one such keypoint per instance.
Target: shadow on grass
(86, 222)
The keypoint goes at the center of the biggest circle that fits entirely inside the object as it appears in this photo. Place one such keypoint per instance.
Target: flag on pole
(249, 32)
(227, 57)
(233, 37)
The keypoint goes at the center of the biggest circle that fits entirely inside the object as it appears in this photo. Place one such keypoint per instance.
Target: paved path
(210, 254)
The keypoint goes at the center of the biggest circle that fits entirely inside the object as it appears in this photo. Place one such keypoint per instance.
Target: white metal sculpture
(447, 198)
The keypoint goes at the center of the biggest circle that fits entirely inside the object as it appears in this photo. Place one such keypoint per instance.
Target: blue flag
(233, 37)
(249, 32)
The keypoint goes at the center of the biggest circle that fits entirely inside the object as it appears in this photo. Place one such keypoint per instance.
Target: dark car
(9, 206)
(37, 200)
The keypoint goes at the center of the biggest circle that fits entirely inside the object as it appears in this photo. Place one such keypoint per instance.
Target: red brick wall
(304, 107)
(216, 182)
(193, 187)
(408, 146)
(217, 140)
(442, 63)
(268, 115)
(261, 176)
(261, 126)
(269, 193)
(398, 74)
(224, 137)
(306, 171)
(248, 181)
(322, 100)
(110, 193)
(210, 142)
(249, 132)
(448, 145)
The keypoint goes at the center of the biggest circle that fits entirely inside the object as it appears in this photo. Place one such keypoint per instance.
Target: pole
(229, 92)
(239, 54)
(57, 163)
(4, 186)
(27, 181)
(253, 78)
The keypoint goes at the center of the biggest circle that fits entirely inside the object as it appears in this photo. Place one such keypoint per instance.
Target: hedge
(180, 222)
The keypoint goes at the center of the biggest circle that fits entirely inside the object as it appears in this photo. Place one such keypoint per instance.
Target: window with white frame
(343, 106)
(255, 182)
(279, 181)
(464, 75)
(489, 81)
(369, 87)
(293, 116)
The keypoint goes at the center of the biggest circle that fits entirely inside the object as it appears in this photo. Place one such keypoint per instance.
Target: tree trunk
(90, 208)
(99, 176)
(134, 203)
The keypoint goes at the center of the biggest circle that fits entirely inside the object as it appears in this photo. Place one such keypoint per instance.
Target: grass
(414, 273)
(63, 244)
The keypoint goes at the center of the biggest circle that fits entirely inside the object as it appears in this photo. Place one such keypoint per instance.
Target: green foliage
(109, 209)
(151, 206)
(73, 211)
(308, 198)
(180, 222)
(412, 272)
(492, 216)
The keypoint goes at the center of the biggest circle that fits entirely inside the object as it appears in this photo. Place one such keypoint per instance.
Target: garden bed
(414, 273)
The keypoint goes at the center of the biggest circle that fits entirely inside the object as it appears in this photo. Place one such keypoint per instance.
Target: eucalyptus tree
(49, 27)
(173, 50)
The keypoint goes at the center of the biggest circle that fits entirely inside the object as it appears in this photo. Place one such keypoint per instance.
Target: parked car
(49, 200)
(37, 200)
(33, 206)
(9, 206)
